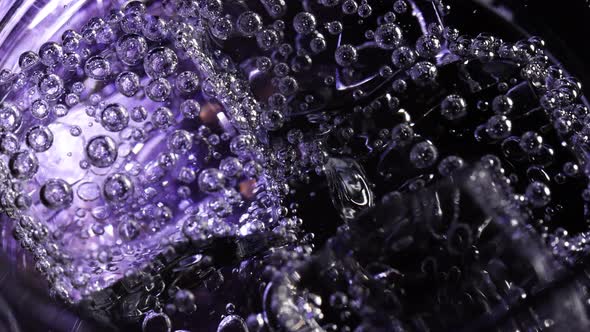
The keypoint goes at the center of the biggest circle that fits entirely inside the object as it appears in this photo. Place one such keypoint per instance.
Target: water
(311, 163)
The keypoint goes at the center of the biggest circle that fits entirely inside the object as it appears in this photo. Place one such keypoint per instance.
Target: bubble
(127, 83)
(423, 73)
(213, 139)
(101, 151)
(231, 167)
(349, 7)
(180, 141)
(51, 87)
(272, 119)
(571, 169)
(155, 28)
(423, 154)
(334, 28)
(132, 23)
(105, 35)
(252, 169)
(60, 110)
(318, 43)
(562, 125)
(400, 6)
(10, 117)
(39, 138)
(222, 28)
(279, 25)
(9, 143)
(277, 101)
(156, 322)
(346, 55)
(301, 63)
(128, 230)
(98, 68)
(275, 8)
(240, 145)
(185, 300)
(158, 89)
(263, 64)
(304, 23)
(538, 194)
(72, 99)
(88, 191)
(385, 71)
(72, 61)
(531, 142)
(211, 180)
(94, 23)
(114, 117)
(160, 62)
(56, 194)
(450, 33)
(71, 40)
(139, 114)
(453, 107)
(365, 10)
(134, 6)
(428, 46)
(131, 49)
(117, 187)
(288, 85)
(281, 69)
(28, 60)
(498, 127)
(212, 8)
(166, 160)
(249, 23)
(78, 88)
(267, 39)
(23, 165)
(402, 134)
(449, 165)
(187, 82)
(388, 36)
(50, 54)
(163, 118)
(502, 104)
(190, 109)
(232, 323)
(186, 175)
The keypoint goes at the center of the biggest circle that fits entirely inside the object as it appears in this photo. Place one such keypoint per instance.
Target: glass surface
(274, 165)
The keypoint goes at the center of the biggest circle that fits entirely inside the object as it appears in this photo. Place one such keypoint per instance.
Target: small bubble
(131, 49)
(158, 89)
(388, 36)
(101, 151)
(114, 117)
(98, 68)
(56, 194)
(423, 154)
(39, 138)
(118, 187)
(160, 62)
(346, 55)
(304, 23)
(127, 83)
